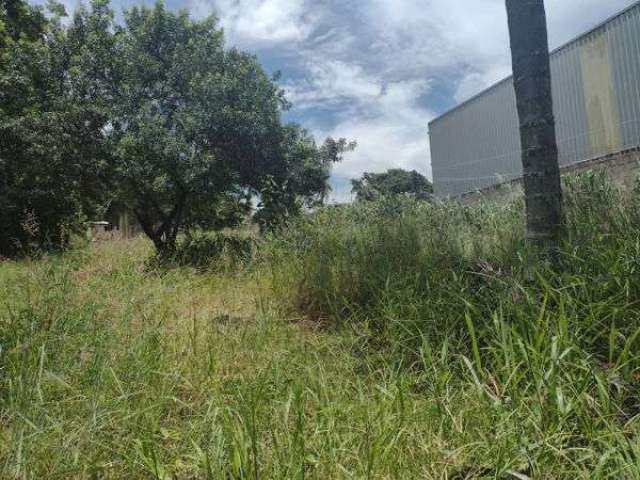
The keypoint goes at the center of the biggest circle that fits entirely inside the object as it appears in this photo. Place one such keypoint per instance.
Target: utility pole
(532, 81)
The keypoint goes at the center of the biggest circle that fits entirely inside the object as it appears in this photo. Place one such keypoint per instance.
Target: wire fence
(511, 169)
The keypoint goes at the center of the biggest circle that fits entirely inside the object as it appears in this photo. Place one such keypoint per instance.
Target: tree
(197, 128)
(532, 81)
(393, 182)
(155, 114)
(191, 124)
(52, 143)
(302, 180)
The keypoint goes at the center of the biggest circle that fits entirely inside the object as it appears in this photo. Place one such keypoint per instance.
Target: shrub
(214, 250)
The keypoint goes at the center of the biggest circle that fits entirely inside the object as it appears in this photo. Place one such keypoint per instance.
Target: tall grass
(419, 267)
(388, 340)
(553, 350)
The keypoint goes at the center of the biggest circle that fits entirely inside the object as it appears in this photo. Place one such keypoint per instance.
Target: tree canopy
(392, 182)
(303, 177)
(193, 124)
(52, 153)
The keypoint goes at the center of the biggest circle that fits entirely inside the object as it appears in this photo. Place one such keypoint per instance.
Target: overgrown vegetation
(216, 251)
(393, 339)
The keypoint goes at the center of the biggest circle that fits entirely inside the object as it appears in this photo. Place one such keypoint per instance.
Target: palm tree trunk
(532, 81)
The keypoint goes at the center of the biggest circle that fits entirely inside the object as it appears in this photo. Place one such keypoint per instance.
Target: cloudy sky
(377, 71)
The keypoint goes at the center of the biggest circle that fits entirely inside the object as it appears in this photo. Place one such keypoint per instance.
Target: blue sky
(377, 71)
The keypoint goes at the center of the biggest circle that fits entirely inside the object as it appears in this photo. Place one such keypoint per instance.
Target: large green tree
(193, 123)
(196, 125)
(52, 148)
(154, 113)
(392, 182)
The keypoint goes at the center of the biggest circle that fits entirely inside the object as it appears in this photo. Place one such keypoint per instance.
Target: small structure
(120, 227)
(99, 231)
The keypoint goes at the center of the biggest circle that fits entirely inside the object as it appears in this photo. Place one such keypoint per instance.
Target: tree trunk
(532, 81)
(164, 245)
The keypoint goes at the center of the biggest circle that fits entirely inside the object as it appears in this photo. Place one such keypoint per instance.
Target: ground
(116, 372)
(112, 369)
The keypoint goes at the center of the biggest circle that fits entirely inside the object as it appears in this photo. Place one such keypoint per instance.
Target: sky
(378, 71)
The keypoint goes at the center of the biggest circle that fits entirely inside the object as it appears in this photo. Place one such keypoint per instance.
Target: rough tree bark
(532, 81)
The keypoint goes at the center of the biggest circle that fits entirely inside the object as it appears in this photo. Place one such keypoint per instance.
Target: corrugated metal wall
(596, 96)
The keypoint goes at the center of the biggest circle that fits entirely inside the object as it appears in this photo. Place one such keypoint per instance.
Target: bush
(214, 251)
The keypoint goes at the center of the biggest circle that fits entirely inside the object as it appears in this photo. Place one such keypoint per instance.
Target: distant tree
(532, 81)
(51, 137)
(393, 182)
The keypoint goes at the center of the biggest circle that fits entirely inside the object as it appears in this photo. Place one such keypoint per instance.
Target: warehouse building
(596, 97)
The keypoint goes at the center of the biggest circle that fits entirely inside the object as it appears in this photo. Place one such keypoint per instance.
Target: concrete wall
(623, 168)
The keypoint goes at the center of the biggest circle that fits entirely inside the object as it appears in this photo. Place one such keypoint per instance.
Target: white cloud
(333, 81)
(384, 143)
(425, 37)
(476, 81)
(391, 132)
(468, 39)
(385, 118)
(260, 22)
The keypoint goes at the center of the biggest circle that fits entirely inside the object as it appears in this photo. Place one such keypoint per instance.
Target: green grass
(387, 341)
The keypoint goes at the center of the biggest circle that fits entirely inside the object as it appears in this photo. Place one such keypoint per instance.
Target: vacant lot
(392, 340)
(112, 372)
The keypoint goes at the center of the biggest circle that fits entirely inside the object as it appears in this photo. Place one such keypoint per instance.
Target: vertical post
(532, 81)
(123, 221)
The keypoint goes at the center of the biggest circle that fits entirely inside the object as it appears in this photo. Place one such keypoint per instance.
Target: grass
(387, 341)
